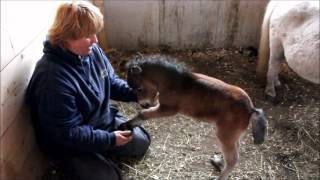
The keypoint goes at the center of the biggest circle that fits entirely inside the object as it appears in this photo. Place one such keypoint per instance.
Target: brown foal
(166, 88)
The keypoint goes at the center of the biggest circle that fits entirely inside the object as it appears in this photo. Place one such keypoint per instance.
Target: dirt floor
(182, 147)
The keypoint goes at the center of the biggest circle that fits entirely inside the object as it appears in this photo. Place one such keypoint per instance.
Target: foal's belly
(201, 113)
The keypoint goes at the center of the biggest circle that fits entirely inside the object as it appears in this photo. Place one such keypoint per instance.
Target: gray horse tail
(264, 49)
(259, 125)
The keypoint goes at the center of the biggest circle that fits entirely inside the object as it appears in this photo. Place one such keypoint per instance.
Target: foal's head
(146, 89)
(147, 75)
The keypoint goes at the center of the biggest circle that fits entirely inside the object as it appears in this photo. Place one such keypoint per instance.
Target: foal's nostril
(145, 105)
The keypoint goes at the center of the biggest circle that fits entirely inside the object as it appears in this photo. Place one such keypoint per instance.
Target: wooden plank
(183, 24)
(129, 33)
(102, 35)
(7, 51)
(250, 20)
(16, 143)
(22, 44)
(30, 169)
(7, 171)
(18, 18)
(14, 80)
(193, 24)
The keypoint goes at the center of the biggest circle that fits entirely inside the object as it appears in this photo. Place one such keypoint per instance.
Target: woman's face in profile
(82, 46)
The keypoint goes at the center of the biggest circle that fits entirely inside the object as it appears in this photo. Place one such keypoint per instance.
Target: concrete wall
(23, 28)
(183, 24)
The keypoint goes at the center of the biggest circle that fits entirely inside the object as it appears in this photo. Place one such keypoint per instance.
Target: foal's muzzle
(145, 105)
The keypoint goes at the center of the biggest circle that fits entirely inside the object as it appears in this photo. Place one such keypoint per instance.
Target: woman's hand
(123, 137)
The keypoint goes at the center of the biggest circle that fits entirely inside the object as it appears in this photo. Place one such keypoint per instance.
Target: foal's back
(212, 99)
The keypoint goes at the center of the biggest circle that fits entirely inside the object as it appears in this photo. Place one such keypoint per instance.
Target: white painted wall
(183, 24)
(24, 26)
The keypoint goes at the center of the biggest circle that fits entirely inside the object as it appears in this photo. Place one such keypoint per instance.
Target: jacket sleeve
(63, 122)
(119, 89)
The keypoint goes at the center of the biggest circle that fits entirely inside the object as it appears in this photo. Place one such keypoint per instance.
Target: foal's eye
(139, 89)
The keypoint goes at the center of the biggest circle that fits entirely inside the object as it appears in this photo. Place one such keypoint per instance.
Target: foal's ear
(135, 70)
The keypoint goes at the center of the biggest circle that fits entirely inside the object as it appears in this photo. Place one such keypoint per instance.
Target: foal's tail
(264, 49)
(259, 125)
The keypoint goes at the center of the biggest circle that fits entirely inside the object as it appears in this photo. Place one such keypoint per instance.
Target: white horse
(290, 31)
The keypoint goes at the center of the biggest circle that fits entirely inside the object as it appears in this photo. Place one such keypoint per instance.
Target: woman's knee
(137, 147)
(141, 142)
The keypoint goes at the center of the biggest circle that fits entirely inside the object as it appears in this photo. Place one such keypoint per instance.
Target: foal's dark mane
(162, 63)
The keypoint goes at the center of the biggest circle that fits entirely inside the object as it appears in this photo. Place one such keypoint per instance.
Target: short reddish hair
(73, 21)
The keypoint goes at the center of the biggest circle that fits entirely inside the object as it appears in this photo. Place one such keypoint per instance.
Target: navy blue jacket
(69, 97)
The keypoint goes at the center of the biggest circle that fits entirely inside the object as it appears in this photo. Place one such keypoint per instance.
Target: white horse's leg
(276, 55)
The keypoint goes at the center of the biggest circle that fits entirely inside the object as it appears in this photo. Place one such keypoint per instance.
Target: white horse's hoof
(274, 99)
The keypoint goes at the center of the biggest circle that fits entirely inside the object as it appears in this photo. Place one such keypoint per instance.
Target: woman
(69, 95)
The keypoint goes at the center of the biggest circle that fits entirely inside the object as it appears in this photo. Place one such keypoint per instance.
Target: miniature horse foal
(169, 88)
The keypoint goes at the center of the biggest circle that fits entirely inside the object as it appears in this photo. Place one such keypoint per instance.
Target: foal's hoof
(274, 100)
(125, 126)
(217, 162)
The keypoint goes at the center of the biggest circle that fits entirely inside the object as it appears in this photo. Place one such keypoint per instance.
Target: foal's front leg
(153, 112)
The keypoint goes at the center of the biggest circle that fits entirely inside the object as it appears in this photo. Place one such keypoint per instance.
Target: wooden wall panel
(14, 80)
(16, 143)
(7, 51)
(250, 15)
(31, 170)
(17, 139)
(23, 21)
(135, 24)
(102, 36)
(24, 25)
(132, 24)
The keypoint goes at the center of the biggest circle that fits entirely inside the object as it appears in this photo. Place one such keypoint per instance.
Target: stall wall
(23, 28)
(181, 24)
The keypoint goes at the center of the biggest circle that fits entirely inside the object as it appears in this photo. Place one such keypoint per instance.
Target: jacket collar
(62, 53)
